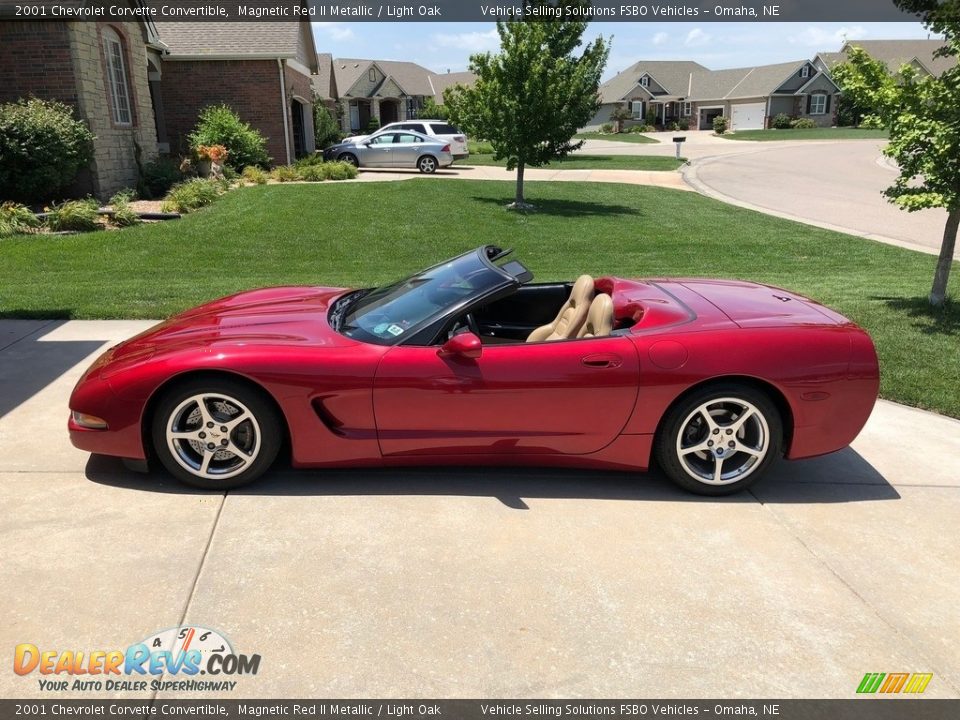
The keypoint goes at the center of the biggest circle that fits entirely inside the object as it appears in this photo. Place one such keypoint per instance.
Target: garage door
(747, 117)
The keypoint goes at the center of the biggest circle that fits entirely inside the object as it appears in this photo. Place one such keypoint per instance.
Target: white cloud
(335, 31)
(660, 38)
(697, 38)
(821, 39)
(469, 41)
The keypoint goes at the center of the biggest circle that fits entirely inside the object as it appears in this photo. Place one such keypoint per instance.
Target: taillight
(445, 148)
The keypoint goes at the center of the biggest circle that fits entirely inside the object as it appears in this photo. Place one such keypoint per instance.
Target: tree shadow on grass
(927, 319)
(565, 208)
(42, 314)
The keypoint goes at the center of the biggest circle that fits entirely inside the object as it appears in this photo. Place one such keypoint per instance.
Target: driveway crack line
(901, 637)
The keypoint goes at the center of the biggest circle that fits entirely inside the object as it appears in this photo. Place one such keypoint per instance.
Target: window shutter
(827, 110)
(809, 103)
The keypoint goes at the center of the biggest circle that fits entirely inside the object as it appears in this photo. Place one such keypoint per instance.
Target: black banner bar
(872, 708)
(704, 11)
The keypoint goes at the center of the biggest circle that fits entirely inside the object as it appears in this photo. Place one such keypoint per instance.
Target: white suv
(438, 129)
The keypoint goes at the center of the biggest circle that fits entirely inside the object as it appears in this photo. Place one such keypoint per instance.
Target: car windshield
(385, 315)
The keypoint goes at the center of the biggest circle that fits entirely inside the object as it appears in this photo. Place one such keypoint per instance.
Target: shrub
(339, 171)
(123, 216)
(674, 126)
(720, 125)
(75, 216)
(326, 132)
(16, 218)
(192, 194)
(157, 177)
(219, 125)
(642, 128)
(284, 173)
(606, 128)
(871, 122)
(684, 124)
(781, 121)
(803, 124)
(312, 159)
(373, 124)
(311, 173)
(253, 174)
(42, 148)
(479, 147)
(431, 111)
(651, 117)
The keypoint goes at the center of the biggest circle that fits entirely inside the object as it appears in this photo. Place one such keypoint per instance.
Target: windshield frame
(415, 334)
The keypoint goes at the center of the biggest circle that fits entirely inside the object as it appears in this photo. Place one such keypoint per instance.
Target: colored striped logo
(914, 683)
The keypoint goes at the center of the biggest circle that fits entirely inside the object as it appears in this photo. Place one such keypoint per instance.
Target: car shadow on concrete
(841, 477)
(29, 362)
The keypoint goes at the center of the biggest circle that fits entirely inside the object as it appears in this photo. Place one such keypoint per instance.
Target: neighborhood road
(482, 583)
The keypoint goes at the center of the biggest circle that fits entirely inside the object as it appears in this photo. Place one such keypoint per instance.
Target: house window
(818, 104)
(636, 109)
(805, 71)
(685, 110)
(372, 75)
(117, 77)
(645, 81)
(412, 107)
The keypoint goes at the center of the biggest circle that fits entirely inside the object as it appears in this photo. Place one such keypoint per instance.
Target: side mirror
(466, 345)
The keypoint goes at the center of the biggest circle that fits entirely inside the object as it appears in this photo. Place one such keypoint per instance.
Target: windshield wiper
(342, 306)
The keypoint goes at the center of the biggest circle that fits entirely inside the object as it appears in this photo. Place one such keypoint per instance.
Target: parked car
(438, 129)
(469, 363)
(407, 149)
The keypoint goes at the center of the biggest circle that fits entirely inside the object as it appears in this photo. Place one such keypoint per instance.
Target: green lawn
(590, 162)
(616, 137)
(366, 233)
(842, 133)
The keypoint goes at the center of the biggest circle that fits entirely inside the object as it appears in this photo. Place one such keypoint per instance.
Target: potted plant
(210, 159)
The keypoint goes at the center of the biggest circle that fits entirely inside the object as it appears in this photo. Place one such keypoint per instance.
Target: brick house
(140, 85)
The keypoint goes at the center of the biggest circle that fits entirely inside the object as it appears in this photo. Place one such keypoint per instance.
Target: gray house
(895, 53)
(751, 97)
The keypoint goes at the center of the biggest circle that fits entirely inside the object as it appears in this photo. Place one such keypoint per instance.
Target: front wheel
(349, 158)
(720, 439)
(216, 434)
(427, 164)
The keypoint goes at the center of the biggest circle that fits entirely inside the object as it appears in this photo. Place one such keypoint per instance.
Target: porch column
(345, 115)
(375, 108)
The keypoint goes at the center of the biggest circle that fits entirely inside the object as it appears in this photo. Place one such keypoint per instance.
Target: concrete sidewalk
(482, 583)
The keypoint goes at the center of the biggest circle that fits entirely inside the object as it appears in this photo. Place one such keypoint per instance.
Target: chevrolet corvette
(471, 363)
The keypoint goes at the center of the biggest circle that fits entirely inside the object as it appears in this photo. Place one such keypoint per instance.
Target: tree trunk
(938, 293)
(518, 200)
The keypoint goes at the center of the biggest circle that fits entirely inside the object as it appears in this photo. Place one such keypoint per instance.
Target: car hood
(271, 316)
(755, 305)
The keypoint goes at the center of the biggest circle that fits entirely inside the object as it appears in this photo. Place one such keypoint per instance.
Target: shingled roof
(747, 82)
(672, 75)
(895, 53)
(209, 40)
(412, 78)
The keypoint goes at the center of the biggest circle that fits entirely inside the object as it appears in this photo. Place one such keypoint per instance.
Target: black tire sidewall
(349, 158)
(255, 400)
(665, 444)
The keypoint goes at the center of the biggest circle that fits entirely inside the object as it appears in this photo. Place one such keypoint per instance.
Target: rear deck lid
(753, 305)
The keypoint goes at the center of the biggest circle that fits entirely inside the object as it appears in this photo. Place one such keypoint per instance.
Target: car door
(378, 150)
(566, 397)
(406, 150)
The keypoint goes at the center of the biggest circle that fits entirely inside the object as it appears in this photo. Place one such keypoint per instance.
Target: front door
(566, 397)
(379, 152)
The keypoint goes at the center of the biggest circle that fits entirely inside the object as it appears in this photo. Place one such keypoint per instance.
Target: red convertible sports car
(468, 362)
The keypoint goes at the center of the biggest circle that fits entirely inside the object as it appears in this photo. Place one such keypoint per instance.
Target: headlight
(91, 422)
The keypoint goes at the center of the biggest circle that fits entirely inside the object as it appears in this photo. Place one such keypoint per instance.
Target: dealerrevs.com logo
(892, 683)
(184, 653)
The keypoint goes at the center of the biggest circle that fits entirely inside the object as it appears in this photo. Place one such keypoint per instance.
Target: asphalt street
(482, 583)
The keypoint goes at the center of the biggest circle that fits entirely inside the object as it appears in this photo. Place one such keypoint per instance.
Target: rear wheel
(427, 164)
(216, 434)
(349, 158)
(720, 439)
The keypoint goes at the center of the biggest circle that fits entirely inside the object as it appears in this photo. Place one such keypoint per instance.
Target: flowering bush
(214, 153)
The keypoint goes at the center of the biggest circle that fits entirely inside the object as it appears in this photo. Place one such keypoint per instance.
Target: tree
(431, 111)
(326, 131)
(530, 99)
(923, 116)
(619, 115)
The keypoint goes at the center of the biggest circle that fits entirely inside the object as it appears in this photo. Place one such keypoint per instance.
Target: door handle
(601, 361)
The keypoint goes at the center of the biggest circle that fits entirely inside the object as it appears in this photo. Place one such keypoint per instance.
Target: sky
(448, 46)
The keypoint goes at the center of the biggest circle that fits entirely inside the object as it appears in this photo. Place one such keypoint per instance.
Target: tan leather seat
(599, 322)
(571, 316)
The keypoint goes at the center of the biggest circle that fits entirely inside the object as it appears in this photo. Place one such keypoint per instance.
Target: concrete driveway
(482, 583)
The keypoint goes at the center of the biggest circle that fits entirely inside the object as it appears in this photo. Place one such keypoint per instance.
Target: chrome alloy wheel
(722, 441)
(427, 165)
(213, 436)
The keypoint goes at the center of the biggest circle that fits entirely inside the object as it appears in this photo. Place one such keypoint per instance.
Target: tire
(427, 164)
(711, 428)
(349, 158)
(231, 442)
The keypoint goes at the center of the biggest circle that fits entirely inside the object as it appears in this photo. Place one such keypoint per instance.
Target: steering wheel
(472, 324)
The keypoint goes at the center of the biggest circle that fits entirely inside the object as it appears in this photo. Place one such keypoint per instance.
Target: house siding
(250, 87)
(35, 60)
